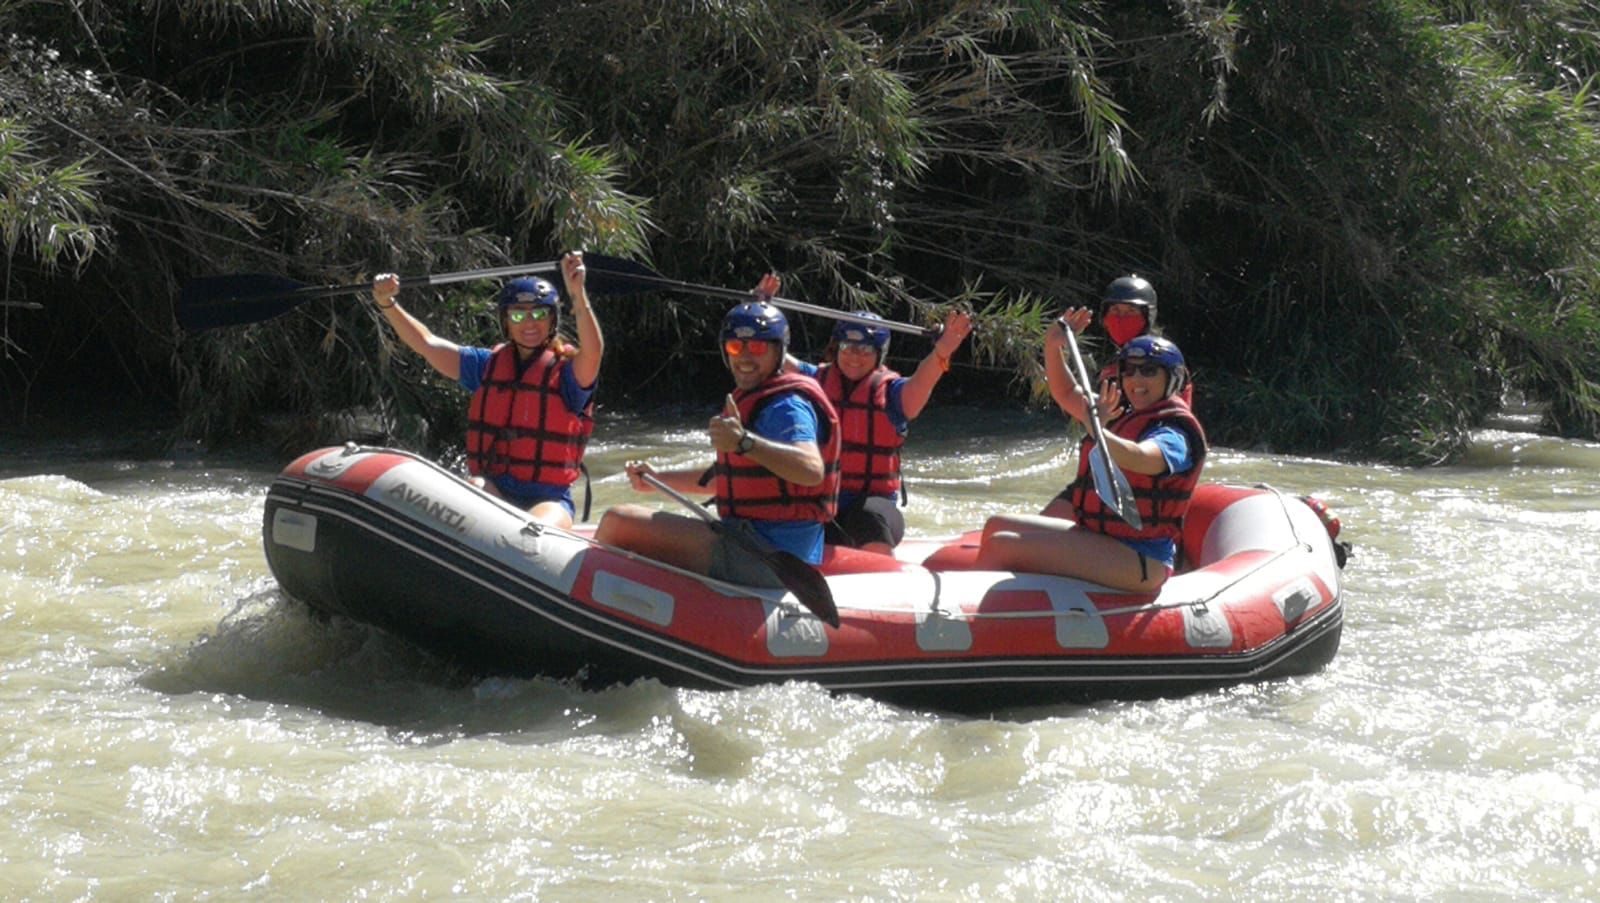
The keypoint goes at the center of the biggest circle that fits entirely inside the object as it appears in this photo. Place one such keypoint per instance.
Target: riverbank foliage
(1367, 222)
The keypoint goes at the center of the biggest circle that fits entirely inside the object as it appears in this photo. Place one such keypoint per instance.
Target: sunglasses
(517, 315)
(857, 348)
(1145, 370)
(737, 347)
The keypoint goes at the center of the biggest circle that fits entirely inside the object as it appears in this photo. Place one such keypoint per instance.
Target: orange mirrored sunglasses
(736, 347)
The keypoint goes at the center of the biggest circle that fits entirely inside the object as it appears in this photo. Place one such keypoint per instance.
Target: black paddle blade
(804, 581)
(213, 301)
(807, 584)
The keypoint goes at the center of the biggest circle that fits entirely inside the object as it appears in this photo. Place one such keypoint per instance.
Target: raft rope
(534, 529)
(351, 448)
(1300, 545)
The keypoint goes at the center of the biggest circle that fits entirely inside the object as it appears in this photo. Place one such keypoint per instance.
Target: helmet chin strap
(1175, 382)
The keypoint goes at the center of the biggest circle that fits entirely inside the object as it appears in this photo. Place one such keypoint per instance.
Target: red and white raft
(392, 540)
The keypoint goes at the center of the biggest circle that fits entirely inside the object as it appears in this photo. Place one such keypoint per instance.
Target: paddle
(805, 581)
(616, 274)
(212, 301)
(1110, 483)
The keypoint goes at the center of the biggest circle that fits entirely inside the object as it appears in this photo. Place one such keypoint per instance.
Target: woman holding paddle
(876, 406)
(1157, 444)
(1127, 311)
(531, 412)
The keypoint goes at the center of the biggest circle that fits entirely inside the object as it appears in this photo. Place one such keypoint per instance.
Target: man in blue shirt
(776, 475)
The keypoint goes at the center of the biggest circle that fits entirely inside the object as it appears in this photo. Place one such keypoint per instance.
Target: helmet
(528, 290)
(1163, 353)
(1131, 289)
(755, 320)
(863, 333)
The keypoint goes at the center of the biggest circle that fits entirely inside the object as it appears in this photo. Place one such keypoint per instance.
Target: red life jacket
(1161, 499)
(869, 453)
(747, 489)
(517, 423)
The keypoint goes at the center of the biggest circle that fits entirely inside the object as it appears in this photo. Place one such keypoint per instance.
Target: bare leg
(552, 513)
(1058, 507)
(682, 541)
(1046, 545)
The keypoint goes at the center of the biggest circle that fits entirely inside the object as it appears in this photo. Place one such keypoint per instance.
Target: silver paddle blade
(1112, 487)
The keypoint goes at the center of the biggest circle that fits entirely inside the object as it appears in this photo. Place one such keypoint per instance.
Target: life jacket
(517, 423)
(869, 452)
(747, 489)
(1161, 499)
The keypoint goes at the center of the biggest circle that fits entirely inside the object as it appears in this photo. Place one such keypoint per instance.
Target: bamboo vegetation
(1367, 222)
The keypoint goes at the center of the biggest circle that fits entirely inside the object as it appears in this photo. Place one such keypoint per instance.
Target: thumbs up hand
(726, 428)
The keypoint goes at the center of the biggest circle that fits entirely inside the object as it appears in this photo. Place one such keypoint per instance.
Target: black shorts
(870, 518)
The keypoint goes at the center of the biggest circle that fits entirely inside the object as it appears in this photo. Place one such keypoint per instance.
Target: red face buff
(1124, 328)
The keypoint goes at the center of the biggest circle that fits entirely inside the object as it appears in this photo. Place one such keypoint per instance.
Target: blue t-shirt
(789, 418)
(895, 411)
(474, 367)
(1174, 445)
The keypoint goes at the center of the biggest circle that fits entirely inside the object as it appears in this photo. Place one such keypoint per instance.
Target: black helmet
(1131, 289)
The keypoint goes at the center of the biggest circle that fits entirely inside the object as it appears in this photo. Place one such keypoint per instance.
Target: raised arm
(1062, 388)
(441, 354)
(919, 387)
(591, 343)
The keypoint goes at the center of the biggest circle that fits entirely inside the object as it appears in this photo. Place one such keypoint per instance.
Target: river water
(171, 726)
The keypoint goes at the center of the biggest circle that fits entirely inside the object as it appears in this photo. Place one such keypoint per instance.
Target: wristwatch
(746, 442)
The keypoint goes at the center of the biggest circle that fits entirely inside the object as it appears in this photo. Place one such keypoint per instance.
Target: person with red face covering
(1127, 311)
(532, 405)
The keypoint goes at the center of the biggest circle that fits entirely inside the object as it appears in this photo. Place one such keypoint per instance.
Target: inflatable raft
(392, 540)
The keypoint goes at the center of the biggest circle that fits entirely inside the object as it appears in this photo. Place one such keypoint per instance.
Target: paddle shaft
(640, 274)
(799, 578)
(414, 282)
(679, 497)
(1121, 494)
(212, 301)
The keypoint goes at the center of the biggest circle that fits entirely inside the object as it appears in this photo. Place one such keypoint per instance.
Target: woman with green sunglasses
(532, 405)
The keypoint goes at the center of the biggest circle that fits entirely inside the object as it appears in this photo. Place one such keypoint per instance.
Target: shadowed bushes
(1366, 221)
